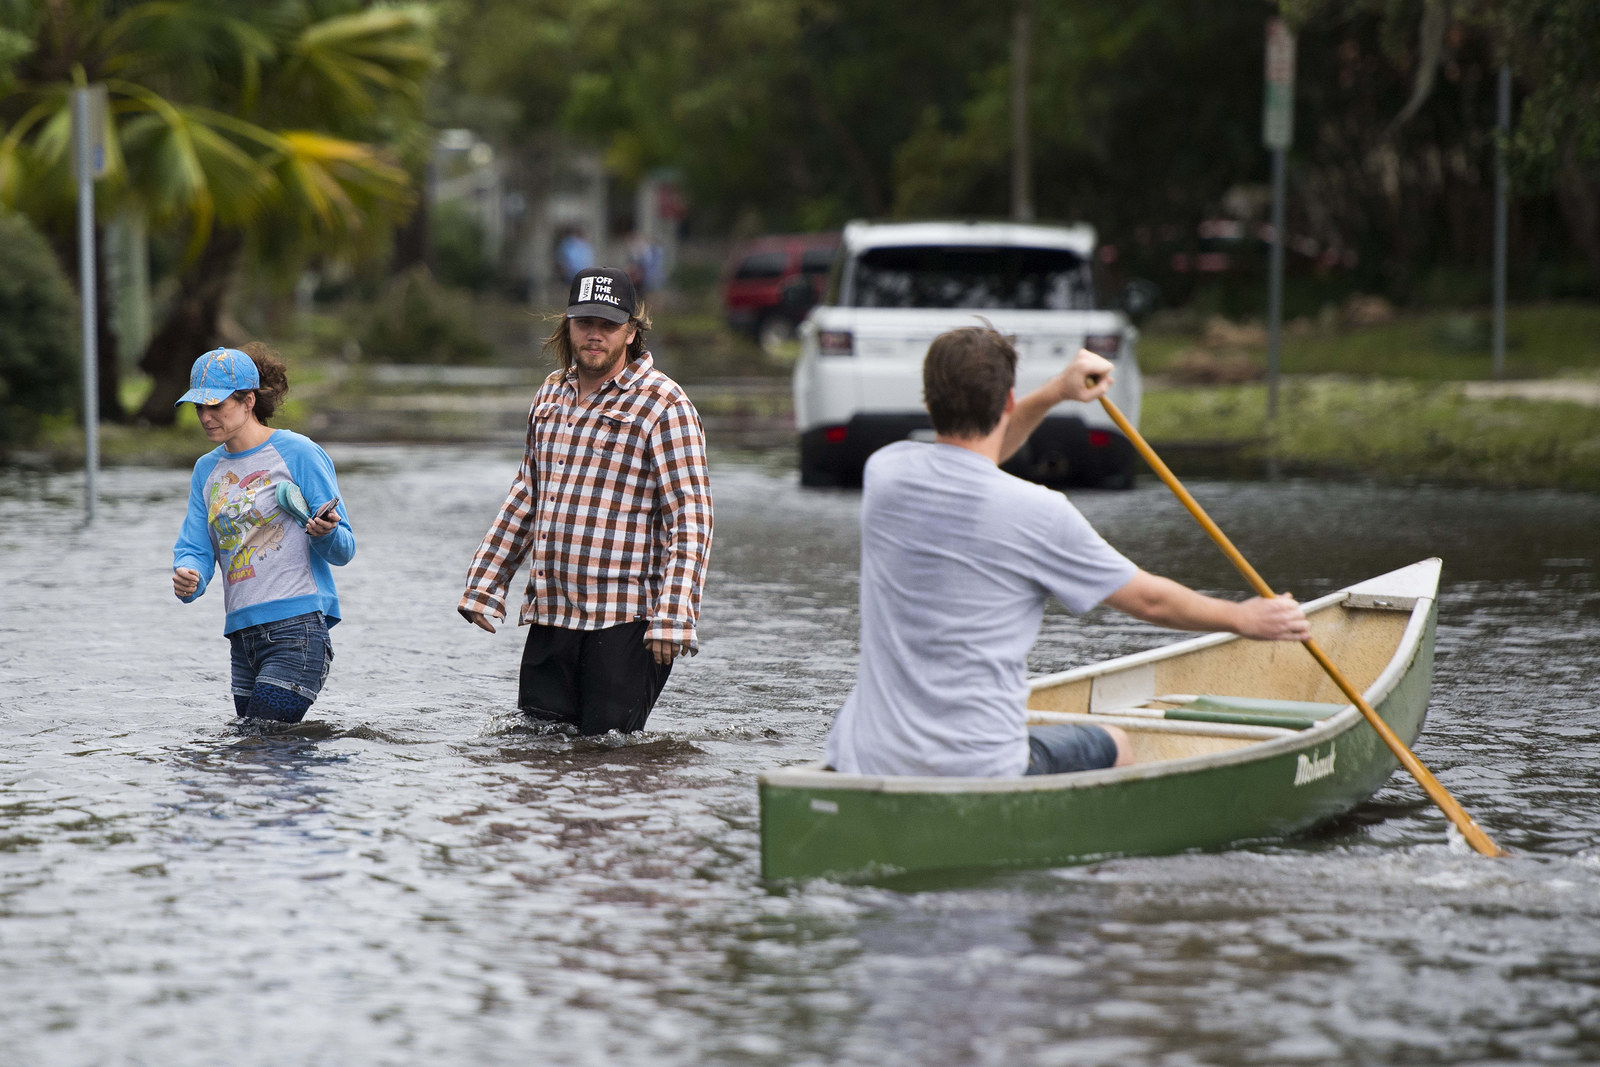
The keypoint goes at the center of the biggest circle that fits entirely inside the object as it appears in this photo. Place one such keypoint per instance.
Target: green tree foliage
(1145, 114)
(417, 320)
(1141, 112)
(1452, 50)
(805, 113)
(269, 132)
(782, 112)
(458, 247)
(1552, 46)
(38, 338)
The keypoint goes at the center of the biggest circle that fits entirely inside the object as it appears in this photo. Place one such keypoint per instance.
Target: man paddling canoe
(957, 560)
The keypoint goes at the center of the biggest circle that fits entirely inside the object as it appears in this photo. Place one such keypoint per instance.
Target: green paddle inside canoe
(1255, 711)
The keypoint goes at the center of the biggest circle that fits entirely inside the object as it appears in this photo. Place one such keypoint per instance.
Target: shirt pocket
(619, 435)
(549, 429)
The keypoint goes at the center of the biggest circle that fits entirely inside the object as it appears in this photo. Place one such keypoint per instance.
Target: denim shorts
(1060, 749)
(292, 653)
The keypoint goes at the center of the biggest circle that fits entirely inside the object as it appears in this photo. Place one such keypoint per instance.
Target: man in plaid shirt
(612, 509)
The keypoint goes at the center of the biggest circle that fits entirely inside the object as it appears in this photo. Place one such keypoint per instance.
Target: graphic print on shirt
(245, 528)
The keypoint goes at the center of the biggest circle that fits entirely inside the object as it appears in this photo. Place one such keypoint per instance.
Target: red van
(770, 283)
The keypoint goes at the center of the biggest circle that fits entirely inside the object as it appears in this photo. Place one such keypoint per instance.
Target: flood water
(414, 876)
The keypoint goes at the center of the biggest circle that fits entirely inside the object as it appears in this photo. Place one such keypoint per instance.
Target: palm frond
(337, 185)
(193, 49)
(349, 69)
(184, 166)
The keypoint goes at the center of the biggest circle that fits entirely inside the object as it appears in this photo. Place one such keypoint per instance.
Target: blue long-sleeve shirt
(272, 569)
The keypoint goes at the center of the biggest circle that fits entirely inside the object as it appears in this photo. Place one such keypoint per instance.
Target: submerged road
(417, 876)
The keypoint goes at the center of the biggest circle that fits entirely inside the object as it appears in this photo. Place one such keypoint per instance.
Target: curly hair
(274, 380)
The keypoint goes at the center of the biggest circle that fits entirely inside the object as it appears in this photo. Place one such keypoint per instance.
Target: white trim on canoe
(1398, 590)
(1411, 588)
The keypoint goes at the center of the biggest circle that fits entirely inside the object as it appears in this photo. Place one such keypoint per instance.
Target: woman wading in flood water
(248, 515)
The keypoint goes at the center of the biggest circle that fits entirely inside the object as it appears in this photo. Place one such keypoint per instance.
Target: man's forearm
(1164, 602)
(1085, 378)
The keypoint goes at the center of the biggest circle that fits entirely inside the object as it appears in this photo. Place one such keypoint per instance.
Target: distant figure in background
(612, 509)
(248, 513)
(574, 253)
(645, 264)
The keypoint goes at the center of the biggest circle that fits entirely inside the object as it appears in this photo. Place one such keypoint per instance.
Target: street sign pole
(1497, 358)
(1277, 133)
(88, 130)
(1275, 284)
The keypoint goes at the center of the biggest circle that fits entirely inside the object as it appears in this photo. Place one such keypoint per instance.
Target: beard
(601, 359)
(596, 363)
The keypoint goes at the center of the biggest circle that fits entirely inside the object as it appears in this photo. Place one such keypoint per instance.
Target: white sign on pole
(1277, 120)
(95, 129)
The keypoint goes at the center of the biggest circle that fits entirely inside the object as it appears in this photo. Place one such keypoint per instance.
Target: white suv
(897, 286)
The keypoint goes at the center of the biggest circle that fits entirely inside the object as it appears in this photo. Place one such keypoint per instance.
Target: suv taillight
(835, 343)
(1104, 344)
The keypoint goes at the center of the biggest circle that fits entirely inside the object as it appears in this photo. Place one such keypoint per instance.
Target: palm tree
(270, 132)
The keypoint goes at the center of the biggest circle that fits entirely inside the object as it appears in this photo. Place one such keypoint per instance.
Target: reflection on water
(417, 874)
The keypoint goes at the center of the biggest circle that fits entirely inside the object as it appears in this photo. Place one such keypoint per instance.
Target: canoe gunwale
(814, 776)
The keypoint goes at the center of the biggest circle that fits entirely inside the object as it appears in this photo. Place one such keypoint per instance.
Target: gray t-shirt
(957, 558)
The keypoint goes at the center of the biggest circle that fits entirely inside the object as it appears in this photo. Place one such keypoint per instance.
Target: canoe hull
(817, 823)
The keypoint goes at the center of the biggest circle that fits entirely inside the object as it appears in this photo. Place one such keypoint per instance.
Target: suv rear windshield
(1046, 279)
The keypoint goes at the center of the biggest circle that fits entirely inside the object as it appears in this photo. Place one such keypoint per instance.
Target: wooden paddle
(1440, 796)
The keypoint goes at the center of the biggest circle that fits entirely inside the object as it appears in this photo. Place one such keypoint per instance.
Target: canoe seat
(1243, 711)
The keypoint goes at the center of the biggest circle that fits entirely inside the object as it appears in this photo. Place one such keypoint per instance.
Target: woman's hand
(324, 521)
(184, 582)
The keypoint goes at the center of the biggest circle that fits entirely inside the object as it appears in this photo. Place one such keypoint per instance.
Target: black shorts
(596, 680)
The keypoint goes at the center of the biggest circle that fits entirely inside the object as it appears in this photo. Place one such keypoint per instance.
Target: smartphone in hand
(328, 510)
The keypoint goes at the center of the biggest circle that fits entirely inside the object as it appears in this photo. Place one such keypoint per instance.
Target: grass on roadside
(178, 445)
(1542, 340)
(60, 444)
(1396, 430)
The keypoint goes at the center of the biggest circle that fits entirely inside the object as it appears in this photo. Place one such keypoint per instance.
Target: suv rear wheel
(816, 472)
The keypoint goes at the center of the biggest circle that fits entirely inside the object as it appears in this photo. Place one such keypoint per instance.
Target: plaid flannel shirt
(611, 507)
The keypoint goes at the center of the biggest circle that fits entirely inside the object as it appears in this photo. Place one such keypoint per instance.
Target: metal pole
(1275, 283)
(81, 117)
(1503, 121)
(1021, 147)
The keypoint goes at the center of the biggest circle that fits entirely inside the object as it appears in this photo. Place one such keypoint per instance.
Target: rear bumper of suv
(1061, 452)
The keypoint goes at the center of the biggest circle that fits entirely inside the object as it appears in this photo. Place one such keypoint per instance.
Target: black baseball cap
(602, 293)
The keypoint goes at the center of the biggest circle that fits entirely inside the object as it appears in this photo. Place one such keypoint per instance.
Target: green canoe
(1234, 740)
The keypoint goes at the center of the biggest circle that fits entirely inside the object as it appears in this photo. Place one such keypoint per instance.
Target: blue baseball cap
(219, 374)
